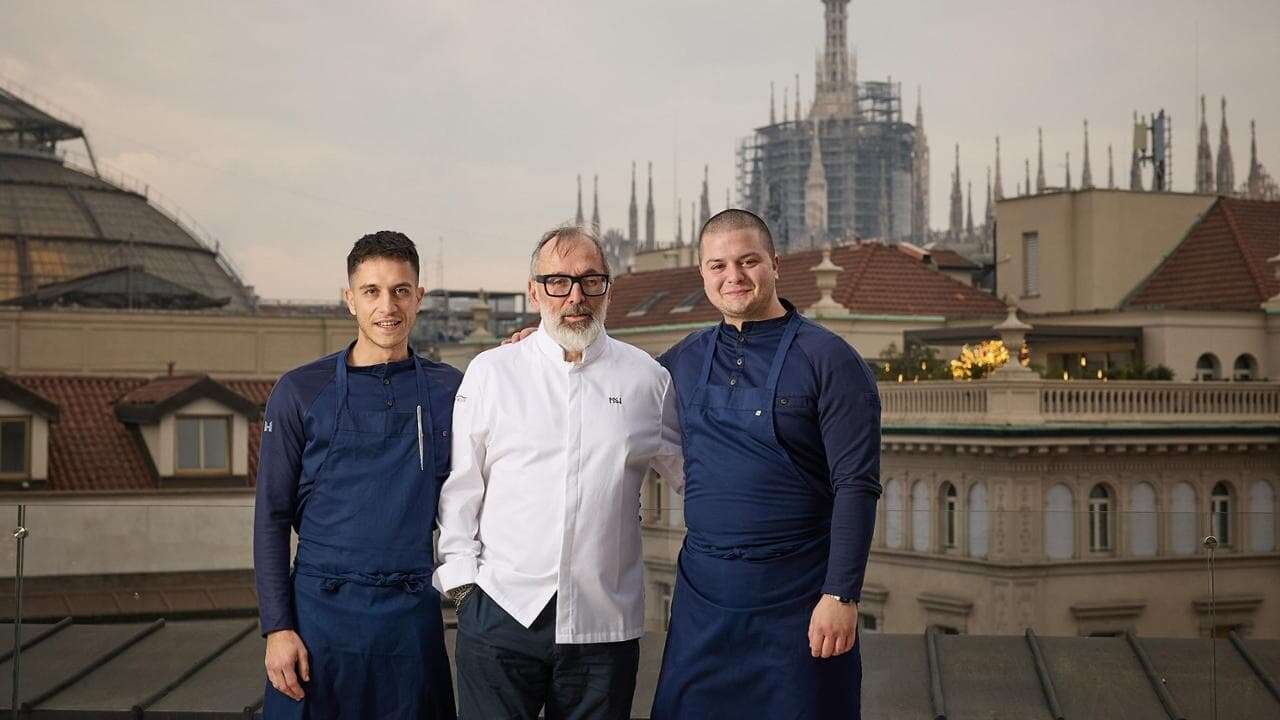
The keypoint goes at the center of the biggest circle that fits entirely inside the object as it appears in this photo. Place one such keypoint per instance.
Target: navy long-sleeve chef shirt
(296, 431)
(826, 415)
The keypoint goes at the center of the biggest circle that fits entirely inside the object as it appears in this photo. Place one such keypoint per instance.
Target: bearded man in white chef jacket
(539, 519)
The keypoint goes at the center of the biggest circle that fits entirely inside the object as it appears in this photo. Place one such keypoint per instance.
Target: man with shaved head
(781, 431)
(539, 519)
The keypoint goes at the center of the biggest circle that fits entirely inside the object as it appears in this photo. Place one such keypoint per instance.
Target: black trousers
(509, 672)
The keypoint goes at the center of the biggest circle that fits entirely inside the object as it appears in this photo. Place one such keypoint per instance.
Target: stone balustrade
(1035, 401)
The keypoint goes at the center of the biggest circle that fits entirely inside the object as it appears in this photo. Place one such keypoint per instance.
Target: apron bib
(362, 591)
(747, 581)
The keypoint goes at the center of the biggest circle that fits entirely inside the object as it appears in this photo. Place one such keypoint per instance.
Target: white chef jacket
(544, 495)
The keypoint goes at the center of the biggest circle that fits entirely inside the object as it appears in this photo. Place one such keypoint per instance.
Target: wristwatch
(840, 599)
(460, 593)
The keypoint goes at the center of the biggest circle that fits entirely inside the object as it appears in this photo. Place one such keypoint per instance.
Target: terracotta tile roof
(1221, 264)
(91, 450)
(160, 389)
(877, 279)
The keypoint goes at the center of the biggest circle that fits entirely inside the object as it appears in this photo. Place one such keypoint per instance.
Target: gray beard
(571, 339)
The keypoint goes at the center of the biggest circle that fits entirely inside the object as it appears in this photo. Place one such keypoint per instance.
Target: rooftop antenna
(1158, 151)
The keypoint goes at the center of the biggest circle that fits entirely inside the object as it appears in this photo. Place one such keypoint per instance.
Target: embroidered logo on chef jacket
(615, 400)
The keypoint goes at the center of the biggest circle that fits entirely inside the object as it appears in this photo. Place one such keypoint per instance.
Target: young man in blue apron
(355, 447)
(780, 422)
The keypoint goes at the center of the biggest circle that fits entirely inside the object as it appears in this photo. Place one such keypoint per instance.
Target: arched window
(1220, 514)
(1182, 519)
(1208, 367)
(1262, 517)
(949, 508)
(1099, 519)
(1142, 520)
(979, 521)
(919, 517)
(1059, 536)
(1245, 368)
(895, 512)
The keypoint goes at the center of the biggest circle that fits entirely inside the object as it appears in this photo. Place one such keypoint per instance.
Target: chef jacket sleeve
(462, 495)
(279, 472)
(849, 419)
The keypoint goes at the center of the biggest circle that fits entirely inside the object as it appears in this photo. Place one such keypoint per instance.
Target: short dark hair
(737, 219)
(383, 244)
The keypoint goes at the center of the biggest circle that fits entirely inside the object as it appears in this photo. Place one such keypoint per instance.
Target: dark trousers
(509, 672)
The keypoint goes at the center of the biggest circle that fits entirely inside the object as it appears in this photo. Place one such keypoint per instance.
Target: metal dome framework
(60, 222)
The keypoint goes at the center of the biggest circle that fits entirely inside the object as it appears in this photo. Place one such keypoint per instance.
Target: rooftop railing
(992, 402)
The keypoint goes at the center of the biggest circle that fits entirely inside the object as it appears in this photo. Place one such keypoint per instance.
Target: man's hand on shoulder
(519, 335)
(833, 627)
(285, 652)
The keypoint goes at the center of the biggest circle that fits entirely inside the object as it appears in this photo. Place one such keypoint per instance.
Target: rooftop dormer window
(194, 428)
(203, 444)
(25, 416)
(15, 447)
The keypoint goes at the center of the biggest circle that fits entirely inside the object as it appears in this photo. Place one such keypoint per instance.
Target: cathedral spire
(705, 215)
(835, 87)
(815, 192)
(1111, 169)
(773, 117)
(1068, 170)
(1026, 186)
(648, 214)
(1204, 155)
(1086, 173)
(1253, 183)
(957, 201)
(577, 219)
(798, 115)
(595, 207)
(1040, 182)
(990, 213)
(920, 177)
(999, 186)
(1226, 166)
(633, 212)
(968, 219)
(679, 222)
(786, 98)
(693, 225)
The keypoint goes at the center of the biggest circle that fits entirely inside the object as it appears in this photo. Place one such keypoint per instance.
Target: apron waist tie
(772, 551)
(412, 582)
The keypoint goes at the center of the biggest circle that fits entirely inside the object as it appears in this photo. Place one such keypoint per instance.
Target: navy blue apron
(362, 591)
(750, 571)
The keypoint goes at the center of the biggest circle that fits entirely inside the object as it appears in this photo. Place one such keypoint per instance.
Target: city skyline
(288, 135)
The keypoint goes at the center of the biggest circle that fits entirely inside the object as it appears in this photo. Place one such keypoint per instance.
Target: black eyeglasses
(593, 285)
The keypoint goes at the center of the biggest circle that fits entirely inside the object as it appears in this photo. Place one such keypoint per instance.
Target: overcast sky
(290, 129)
